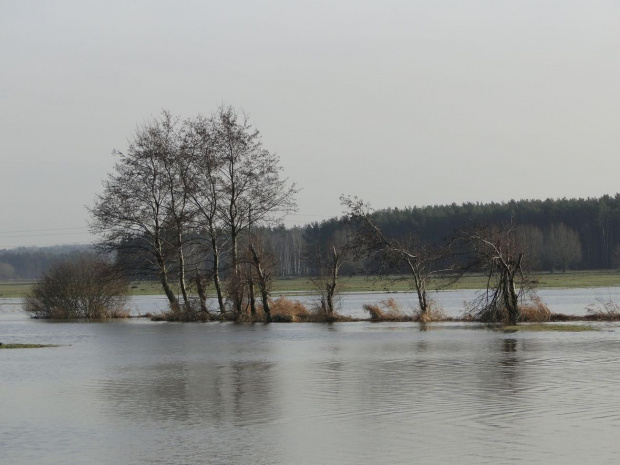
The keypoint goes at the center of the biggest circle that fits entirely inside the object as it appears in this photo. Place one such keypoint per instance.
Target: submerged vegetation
(25, 346)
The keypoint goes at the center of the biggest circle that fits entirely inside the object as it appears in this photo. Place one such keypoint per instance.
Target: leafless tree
(202, 185)
(421, 261)
(326, 258)
(134, 209)
(82, 287)
(252, 190)
(500, 254)
(208, 178)
(264, 263)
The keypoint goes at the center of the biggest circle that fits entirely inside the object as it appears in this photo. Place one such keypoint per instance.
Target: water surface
(350, 393)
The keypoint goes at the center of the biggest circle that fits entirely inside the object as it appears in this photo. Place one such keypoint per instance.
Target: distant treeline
(30, 262)
(562, 234)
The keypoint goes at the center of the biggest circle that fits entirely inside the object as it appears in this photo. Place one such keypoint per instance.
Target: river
(136, 391)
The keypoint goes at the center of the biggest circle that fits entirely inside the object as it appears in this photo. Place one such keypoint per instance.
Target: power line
(43, 235)
(41, 230)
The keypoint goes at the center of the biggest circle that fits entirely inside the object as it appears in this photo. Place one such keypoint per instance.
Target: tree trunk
(236, 287)
(182, 274)
(262, 284)
(216, 275)
(251, 295)
(202, 293)
(163, 275)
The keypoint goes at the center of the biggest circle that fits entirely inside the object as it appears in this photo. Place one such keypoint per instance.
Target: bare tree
(421, 261)
(83, 287)
(264, 263)
(326, 258)
(500, 254)
(134, 209)
(202, 185)
(251, 189)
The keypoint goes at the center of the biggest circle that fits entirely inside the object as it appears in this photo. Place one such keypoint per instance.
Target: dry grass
(391, 310)
(387, 310)
(603, 310)
(284, 310)
(535, 311)
(181, 314)
(532, 311)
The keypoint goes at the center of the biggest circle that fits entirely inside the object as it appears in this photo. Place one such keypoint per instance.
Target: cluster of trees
(563, 234)
(185, 203)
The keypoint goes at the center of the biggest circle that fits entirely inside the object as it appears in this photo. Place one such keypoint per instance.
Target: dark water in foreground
(134, 392)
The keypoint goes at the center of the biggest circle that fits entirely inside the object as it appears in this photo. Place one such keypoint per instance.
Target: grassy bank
(570, 279)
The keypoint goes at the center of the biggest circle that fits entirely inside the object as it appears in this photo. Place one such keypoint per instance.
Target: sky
(401, 103)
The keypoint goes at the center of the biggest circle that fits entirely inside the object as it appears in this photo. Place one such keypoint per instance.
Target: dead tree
(326, 256)
(498, 252)
(420, 261)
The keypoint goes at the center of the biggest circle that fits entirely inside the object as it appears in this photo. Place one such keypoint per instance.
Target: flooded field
(138, 392)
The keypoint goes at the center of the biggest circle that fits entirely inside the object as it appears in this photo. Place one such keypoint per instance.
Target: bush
(386, 310)
(604, 310)
(83, 287)
(533, 310)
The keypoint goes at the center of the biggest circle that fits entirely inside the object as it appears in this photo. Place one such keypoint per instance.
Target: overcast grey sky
(398, 102)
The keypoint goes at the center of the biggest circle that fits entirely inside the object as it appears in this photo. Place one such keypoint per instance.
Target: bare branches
(201, 181)
(499, 253)
(420, 260)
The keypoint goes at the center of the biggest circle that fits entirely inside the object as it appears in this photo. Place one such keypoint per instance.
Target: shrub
(286, 311)
(604, 310)
(83, 287)
(386, 310)
(535, 311)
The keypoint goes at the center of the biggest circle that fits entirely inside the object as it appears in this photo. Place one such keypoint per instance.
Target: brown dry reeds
(603, 310)
(179, 313)
(434, 312)
(535, 311)
(284, 310)
(387, 310)
(532, 311)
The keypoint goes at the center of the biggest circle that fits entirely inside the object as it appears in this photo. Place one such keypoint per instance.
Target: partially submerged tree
(205, 180)
(252, 191)
(263, 264)
(326, 256)
(202, 185)
(83, 287)
(420, 261)
(134, 209)
(499, 253)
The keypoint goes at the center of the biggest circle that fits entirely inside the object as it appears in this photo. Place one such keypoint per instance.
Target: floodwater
(135, 392)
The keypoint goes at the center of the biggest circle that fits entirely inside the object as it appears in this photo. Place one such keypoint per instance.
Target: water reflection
(238, 392)
(140, 392)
